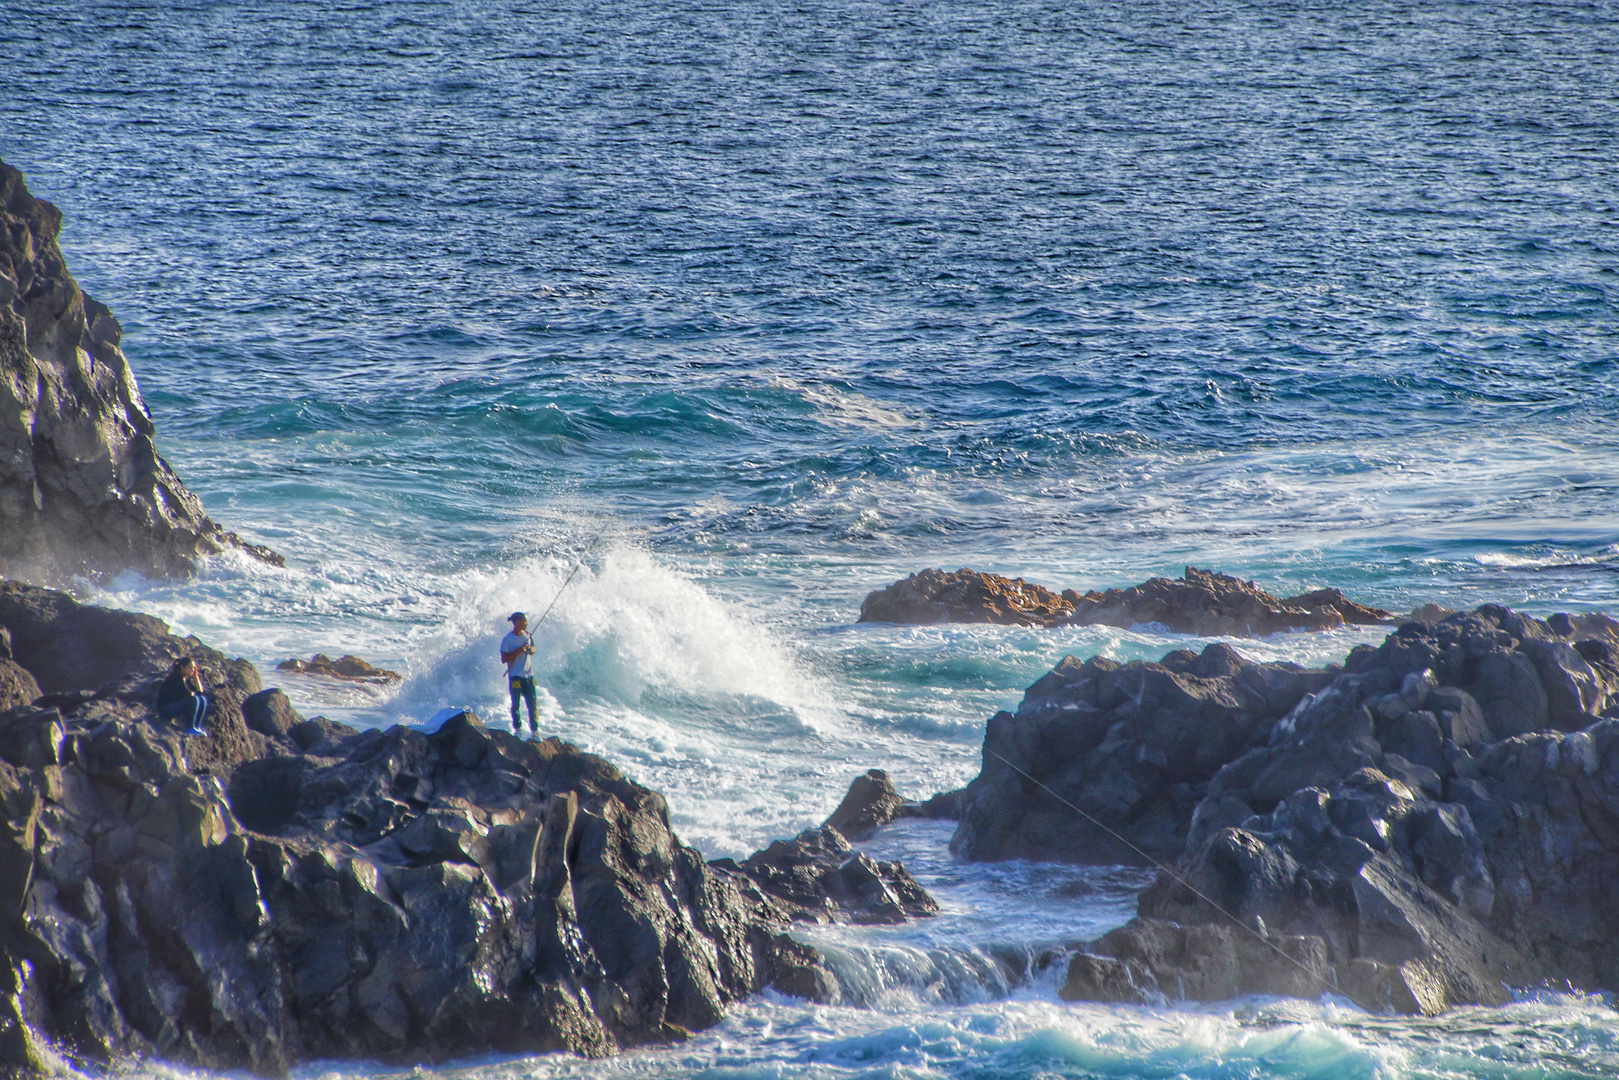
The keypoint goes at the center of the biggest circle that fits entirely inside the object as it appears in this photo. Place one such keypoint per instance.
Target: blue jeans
(195, 707)
(523, 690)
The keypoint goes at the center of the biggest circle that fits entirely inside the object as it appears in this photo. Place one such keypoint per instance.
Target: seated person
(181, 695)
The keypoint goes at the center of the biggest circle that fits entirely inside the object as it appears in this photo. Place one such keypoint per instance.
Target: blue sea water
(753, 307)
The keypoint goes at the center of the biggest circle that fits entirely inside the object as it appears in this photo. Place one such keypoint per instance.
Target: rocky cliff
(282, 889)
(82, 488)
(1432, 823)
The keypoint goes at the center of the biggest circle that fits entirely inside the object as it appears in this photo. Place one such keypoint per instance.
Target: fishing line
(580, 565)
(1256, 935)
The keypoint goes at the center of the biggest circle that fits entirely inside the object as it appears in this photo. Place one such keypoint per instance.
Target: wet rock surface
(818, 877)
(1202, 602)
(284, 889)
(82, 488)
(1434, 822)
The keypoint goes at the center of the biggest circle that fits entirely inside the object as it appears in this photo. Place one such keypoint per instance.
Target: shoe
(195, 730)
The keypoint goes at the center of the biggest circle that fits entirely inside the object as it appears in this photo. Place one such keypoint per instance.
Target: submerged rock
(1202, 602)
(82, 488)
(283, 889)
(1434, 822)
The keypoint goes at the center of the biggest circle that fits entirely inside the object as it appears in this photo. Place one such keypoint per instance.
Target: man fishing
(517, 653)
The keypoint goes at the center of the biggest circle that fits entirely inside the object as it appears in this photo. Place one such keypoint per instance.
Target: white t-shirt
(523, 663)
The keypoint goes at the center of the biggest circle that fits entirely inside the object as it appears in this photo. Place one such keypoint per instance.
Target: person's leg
(532, 697)
(517, 698)
(173, 710)
(199, 709)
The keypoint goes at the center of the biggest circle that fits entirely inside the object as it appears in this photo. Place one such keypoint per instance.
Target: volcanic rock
(818, 877)
(281, 889)
(1202, 602)
(1436, 823)
(351, 668)
(1209, 605)
(969, 596)
(870, 804)
(1133, 746)
(82, 488)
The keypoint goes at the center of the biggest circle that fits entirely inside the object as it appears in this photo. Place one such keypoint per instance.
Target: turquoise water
(754, 308)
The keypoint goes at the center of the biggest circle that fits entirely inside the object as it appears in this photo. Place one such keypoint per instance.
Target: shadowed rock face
(285, 889)
(82, 489)
(1202, 603)
(1133, 745)
(1437, 819)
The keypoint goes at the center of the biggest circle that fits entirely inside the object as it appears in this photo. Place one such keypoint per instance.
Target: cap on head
(514, 616)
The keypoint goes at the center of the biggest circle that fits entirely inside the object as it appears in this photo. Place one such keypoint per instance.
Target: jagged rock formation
(1133, 745)
(283, 889)
(818, 877)
(1202, 603)
(82, 488)
(1433, 822)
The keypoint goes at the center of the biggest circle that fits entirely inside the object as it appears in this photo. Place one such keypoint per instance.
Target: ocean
(738, 311)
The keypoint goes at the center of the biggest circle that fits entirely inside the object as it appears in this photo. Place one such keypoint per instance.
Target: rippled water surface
(755, 307)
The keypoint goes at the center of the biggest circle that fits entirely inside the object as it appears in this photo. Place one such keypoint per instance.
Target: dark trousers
(193, 708)
(523, 690)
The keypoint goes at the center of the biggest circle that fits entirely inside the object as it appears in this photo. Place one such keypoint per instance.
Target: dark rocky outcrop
(1209, 604)
(1202, 602)
(1132, 745)
(82, 488)
(284, 889)
(818, 877)
(870, 804)
(968, 596)
(1435, 822)
(349, 668)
